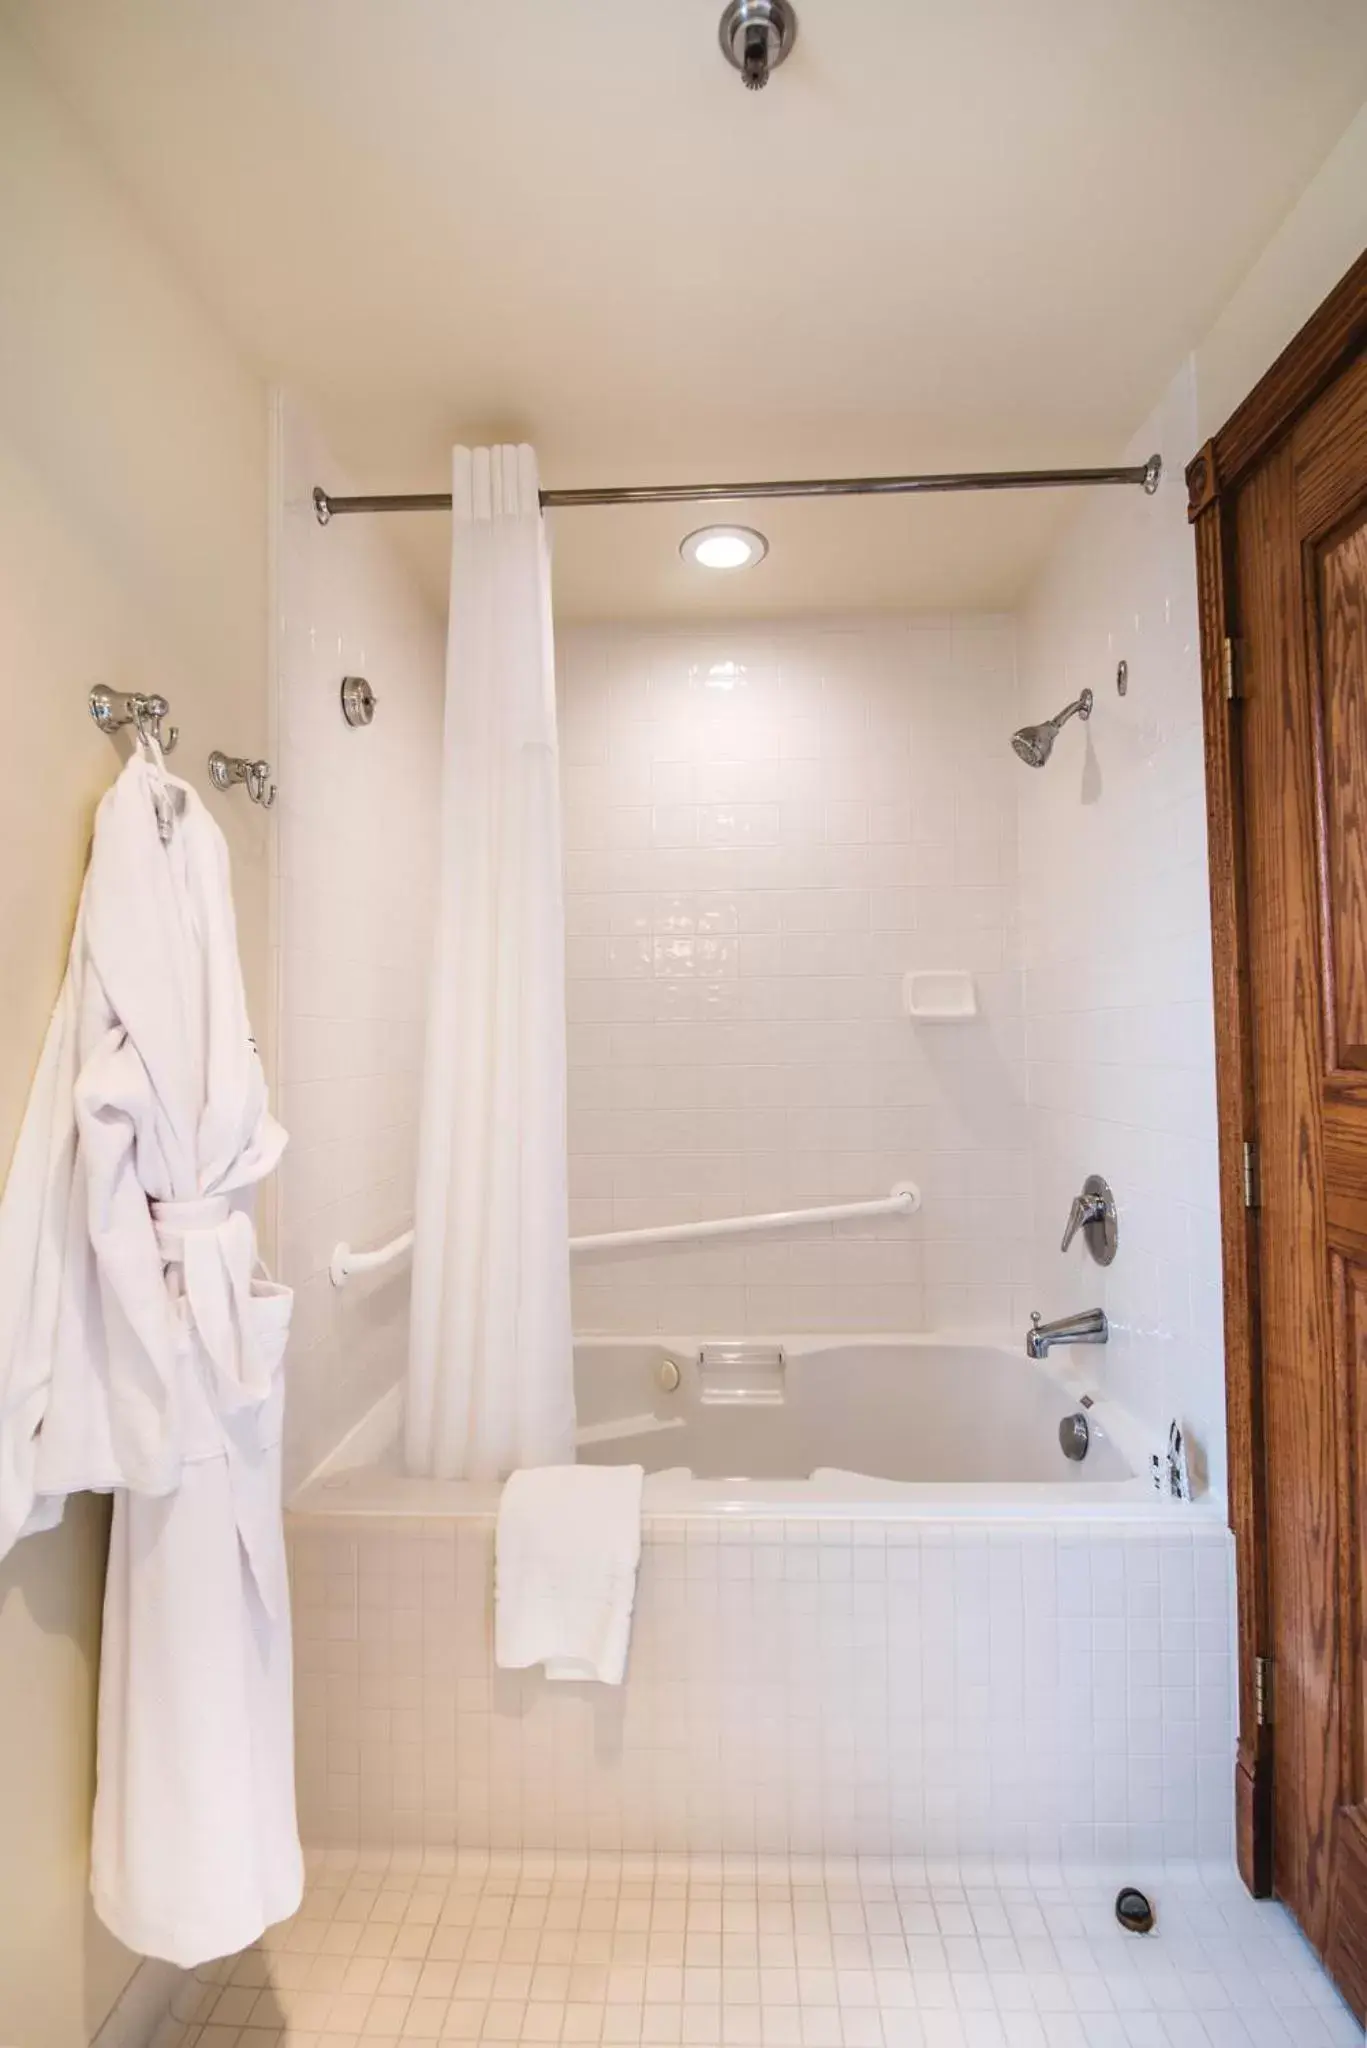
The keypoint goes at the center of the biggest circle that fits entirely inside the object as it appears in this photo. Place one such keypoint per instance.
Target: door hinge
(1252, 1191)
(1229, 668)
(1262, 1692)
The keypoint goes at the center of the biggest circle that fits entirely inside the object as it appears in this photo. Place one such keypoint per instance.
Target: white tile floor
(655, 1952)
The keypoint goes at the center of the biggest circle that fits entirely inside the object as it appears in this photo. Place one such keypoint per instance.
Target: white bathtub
(883, 1616)
(857, 1425)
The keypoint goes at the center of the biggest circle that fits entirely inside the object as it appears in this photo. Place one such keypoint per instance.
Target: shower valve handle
(1093, 1212)
(1086, 1209)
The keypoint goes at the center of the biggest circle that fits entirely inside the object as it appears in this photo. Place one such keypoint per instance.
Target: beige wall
(1321, 238)
(132, 551)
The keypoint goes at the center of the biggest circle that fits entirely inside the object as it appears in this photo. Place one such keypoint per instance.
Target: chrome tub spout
(1089, 1326)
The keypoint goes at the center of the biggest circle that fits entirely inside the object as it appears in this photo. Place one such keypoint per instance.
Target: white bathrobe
(141, 1353)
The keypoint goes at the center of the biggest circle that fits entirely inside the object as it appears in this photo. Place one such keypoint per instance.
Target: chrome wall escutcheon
(1074, 1437)
(358, 700)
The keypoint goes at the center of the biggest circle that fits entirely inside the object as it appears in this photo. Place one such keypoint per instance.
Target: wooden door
(1289, 825)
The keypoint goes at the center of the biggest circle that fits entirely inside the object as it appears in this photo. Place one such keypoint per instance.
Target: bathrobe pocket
(270, 1309)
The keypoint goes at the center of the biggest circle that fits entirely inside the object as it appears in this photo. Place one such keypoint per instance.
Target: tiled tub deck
(971, 1687)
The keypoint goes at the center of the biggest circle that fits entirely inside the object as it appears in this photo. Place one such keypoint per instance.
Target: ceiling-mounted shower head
(1035, 743)
(756, 36)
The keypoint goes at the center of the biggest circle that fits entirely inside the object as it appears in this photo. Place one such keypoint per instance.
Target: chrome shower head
(1035, 743)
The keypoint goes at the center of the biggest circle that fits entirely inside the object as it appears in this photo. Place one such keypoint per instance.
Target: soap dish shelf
(942, 995)
(741, 1375)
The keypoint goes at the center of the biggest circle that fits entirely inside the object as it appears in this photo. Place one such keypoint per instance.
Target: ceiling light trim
(718, 548)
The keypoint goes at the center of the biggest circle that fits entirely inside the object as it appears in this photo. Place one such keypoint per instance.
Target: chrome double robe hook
(114, 709)
(255, 776)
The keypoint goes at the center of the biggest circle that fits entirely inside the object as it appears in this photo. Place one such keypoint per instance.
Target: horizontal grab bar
(904, 1200)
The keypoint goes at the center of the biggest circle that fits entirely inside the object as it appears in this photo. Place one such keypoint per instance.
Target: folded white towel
(565, 1558)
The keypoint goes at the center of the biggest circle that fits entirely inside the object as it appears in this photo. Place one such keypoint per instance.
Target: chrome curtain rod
(1146, 474)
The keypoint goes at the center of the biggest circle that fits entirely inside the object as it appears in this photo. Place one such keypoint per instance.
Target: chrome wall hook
(226, 769)
(114, 709)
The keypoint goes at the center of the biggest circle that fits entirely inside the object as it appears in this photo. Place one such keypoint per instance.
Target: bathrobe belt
(234, 1407)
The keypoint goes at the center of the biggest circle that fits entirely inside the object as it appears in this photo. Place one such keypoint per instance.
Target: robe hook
(114, 709)
(255, 776)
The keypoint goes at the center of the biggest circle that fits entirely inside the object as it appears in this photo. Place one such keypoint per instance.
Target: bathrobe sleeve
(40, 1222)
(86, 1338)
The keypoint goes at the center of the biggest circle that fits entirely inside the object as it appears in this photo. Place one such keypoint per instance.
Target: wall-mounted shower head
(756, 36)
(1035, 743)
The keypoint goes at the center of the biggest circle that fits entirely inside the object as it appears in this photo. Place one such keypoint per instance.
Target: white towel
(565, 1559)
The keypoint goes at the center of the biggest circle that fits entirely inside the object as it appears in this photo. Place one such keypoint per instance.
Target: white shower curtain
(490, 1366)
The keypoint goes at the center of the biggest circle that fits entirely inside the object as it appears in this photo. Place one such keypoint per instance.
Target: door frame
(1328, 341)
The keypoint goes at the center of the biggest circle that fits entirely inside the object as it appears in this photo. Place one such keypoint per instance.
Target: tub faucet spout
(1087, 1327)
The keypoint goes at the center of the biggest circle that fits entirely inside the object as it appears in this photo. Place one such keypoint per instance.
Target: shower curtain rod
(1146, 474)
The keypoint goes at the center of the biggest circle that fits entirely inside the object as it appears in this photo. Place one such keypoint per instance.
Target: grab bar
(904, 1200)
(344, 1261)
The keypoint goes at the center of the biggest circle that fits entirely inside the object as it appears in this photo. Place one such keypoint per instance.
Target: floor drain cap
(1133, 1911)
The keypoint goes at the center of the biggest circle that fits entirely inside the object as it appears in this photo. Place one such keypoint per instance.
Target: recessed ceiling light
(724, 547)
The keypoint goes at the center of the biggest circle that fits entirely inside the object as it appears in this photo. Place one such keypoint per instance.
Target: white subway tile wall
(1116, 944)
(356, 855)
(765, 829)
(871, 1687)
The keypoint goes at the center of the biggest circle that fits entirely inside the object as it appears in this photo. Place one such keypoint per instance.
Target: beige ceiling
(952, 233)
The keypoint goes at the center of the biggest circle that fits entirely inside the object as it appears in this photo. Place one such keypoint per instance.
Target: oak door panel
(1328, 451)
(1346, 1945)
(1339, 651)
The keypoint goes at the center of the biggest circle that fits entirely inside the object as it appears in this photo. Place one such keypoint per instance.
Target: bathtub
(817, 1425)
(878, 1613)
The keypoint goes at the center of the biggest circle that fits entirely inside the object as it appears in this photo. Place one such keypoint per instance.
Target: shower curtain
(490, 1366)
